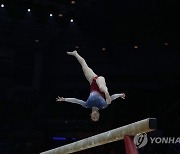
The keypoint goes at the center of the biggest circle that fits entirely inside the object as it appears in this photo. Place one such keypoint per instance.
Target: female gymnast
(99, 97)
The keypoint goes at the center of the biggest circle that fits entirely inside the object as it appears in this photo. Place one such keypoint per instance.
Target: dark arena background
(134, 44)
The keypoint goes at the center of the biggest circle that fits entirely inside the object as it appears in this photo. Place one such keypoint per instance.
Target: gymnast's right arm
(71, 100)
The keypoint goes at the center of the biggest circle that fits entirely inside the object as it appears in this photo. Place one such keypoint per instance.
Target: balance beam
(132, 129)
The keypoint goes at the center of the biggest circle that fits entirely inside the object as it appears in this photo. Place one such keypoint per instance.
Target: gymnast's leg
(102, 87)
(88, 72)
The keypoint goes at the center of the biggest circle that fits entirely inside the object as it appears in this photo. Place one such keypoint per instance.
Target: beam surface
(132, 129)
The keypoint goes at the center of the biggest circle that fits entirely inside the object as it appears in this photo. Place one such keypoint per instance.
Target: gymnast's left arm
(115, 96)
(71, 100)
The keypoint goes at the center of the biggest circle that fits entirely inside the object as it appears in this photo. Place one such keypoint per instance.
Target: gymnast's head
(95, 114)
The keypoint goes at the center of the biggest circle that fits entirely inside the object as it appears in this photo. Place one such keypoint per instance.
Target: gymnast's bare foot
(72, 53)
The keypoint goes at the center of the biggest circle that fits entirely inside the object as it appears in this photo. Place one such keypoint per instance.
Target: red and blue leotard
(96, 97)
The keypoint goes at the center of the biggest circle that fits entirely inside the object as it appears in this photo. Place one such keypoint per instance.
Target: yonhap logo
(140, 140)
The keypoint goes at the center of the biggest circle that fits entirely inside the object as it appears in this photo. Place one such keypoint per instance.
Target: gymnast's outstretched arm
(115, 96)
(71, 100)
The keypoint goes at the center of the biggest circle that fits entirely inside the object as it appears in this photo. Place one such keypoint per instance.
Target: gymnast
(99, 97)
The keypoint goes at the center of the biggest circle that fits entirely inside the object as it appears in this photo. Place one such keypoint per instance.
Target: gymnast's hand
(60, 99)
(123, 95)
